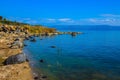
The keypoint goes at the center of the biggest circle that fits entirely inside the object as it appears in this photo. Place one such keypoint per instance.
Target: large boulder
(17, 44)
(15, 59)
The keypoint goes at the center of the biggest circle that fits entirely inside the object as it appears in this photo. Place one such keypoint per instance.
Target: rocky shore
(13, 71)
(14, 64)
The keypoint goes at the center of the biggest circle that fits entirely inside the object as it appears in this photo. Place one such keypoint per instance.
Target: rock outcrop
(15, 59)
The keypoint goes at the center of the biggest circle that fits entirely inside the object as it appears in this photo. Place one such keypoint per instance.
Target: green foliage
(1, 18)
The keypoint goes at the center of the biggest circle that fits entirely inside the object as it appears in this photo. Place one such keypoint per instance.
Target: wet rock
(26, 38)
(53, 46)
(27, 60)
(30, 36)
(41, 39)
(73, 33)
(36, 78)
(44, 76)
(25, 45)
(33, 40)
(41, 60)
(15, 59)
(49, 34)
(42, 34)
(36, 35)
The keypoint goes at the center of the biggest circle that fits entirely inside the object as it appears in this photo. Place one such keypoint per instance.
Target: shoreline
(20, 71)
(11, 47)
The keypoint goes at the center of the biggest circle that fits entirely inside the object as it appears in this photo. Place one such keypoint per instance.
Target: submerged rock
(41, 60)
(15, 59)
(44, 77)
(33, 40)
(53, 46)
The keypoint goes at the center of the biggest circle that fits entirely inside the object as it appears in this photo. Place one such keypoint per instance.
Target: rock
(16, 44)
(53, 46)
(25, 45)
(55, 33)
(15, 59)
(30, 36)
(41, 39)
(44, 76)
(42, 34)
(17, 39)
(33, 40)
(73, 33)
(26, 38)
(60, 33)
(49, 34)
(41, 60)
(27, 60)
(36, 78)
(36, 35)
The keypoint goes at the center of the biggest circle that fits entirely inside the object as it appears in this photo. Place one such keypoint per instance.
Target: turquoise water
(94, 55)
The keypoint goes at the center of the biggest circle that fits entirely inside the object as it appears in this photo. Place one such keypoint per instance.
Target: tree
(4, 19)
(1, 18)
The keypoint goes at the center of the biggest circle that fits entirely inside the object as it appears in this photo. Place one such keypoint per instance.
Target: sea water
(93, 55)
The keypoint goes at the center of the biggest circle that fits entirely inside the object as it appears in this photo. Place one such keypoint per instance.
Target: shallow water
(94, 55)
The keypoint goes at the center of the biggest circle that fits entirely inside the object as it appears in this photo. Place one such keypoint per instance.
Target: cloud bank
(102, 19)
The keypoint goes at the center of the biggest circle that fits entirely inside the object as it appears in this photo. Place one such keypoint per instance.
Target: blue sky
(62, 12)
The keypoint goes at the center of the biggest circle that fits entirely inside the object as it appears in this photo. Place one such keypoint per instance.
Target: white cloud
(110, 15)
(56, 21)
(51, 20)
(88, 21)
(65, 20)
(104, 19)
(24, 20)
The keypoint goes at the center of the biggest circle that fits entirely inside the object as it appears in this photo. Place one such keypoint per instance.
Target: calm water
(94, 55)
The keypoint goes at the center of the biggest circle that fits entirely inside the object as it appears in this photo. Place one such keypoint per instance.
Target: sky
(62, 12)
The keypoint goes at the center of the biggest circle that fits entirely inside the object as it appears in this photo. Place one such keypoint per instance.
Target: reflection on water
(91, 56)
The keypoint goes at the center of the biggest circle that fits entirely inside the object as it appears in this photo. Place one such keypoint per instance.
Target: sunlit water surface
(94, 55)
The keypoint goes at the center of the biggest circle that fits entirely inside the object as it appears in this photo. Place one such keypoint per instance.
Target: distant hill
(85, 27)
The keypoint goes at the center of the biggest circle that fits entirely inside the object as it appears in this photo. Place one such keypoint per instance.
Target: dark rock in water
(42, 34)
(26, 38)
(33, 40)
(46, 34)
(15, 59)
(30, 36)
(41, 39)
(73, 33)
(53, 46)
(41, 60)
(25, 45)
(36, 35)
(36, 78)
(44, 76)
(27, 60)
